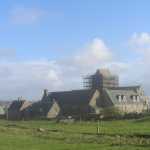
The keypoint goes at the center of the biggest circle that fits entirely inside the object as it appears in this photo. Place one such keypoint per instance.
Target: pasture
(49, 135)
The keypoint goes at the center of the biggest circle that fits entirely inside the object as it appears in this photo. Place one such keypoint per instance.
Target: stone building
(75, 103)
(16, 110)
(102, 91)
(129, 99)
(82, 103)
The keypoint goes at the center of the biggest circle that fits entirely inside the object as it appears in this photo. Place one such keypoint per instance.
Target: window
(138, 99)
(121, 98)
(124, 98)
(135, 98)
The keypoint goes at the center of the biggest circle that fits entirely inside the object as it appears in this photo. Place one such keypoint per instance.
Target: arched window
(138, 99)
(124, 98)
(121, 98)
(134, 98)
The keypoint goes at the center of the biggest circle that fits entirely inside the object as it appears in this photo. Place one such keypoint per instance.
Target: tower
(101, 79)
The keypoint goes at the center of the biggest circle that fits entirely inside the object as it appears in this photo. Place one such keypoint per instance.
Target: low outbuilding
(16, 109)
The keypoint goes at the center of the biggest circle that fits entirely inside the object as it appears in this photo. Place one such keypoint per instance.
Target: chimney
(45, 94)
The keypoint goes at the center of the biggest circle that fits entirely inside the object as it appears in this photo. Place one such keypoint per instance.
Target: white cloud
(7, 53)
(140, 42)
(96, 52)
(140, 39)
(25, 15)
(139, 67)
(94, 55)
(29, 78)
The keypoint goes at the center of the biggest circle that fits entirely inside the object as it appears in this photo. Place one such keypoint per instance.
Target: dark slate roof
(129, 91)
(74, 97)
(125, 87)
(39, 109)
(16, 105)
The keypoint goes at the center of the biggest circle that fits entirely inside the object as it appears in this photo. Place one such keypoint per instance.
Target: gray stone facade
(104, 92)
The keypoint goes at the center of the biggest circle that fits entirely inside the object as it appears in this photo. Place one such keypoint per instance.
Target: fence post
(98, 128)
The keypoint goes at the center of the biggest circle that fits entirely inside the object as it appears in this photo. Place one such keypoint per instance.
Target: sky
(53, 44)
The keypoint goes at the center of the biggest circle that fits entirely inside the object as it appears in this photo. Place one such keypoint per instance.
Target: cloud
(7, 53)
(29, 78)
(96, 52)
(93, 55)
(139, 68)
(140, 42)
(25, 15)
(140, 39)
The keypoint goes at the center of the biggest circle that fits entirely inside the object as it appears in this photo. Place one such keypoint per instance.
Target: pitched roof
(19, 105)
(129, 91)
(16, 105)
(74, 97)
(40, 108)
(125, 87)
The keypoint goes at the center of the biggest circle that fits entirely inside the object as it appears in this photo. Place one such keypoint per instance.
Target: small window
(134, 98)
(119, 98)
(138, 99)
(124, 98)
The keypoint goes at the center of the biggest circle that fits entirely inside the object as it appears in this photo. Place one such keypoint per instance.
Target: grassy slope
(116, 135)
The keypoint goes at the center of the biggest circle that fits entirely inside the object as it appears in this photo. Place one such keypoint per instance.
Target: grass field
(115, 135)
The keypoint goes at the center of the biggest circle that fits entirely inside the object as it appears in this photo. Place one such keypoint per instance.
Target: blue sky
(55, 32)
(67, 24)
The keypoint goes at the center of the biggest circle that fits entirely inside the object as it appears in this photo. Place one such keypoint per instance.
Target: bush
(111, 113)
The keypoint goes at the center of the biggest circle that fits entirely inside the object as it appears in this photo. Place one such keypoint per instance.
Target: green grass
(115, 135)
